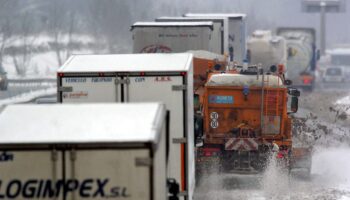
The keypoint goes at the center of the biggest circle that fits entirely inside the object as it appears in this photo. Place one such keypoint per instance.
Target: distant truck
(218, 44)
(158, 77)
(302, 55)
(94, 151)
(266, 49)
(340, 58)
(234, 31)
(171, 37)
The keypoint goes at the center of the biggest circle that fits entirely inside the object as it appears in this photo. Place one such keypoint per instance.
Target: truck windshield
(333, 71)
(2, 71)
(341, 60)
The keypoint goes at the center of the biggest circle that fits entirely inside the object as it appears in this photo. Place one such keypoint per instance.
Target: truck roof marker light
(60, 74)
(183, 73)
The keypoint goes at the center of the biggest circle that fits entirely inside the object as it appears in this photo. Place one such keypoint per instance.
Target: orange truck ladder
(270, 100)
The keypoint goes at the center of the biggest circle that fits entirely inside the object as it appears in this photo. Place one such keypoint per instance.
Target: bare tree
(21, 57)
(110, 21)
(6, 26)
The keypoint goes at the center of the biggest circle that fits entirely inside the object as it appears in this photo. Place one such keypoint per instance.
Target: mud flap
(301, 162)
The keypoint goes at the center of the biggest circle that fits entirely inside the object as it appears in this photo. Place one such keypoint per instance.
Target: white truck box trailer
(91, 151)
(234, 31)
(217, 38)
(159, 77)
(171, 37)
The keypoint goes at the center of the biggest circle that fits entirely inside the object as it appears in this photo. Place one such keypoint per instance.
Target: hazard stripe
(231, 143)
(251, 143)
(241, 144)
(237, 142)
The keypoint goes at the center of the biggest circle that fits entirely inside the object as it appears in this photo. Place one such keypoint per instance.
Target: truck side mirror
(198, 130)
(288, 82)
(173, 189)
(293, 92)
(294, 104)
(318, 54)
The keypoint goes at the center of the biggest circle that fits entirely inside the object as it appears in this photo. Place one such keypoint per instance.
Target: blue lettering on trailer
(101, 79)
(75, 80)
(41, 189)
(221, 99)
(6, 157)
(140, 79)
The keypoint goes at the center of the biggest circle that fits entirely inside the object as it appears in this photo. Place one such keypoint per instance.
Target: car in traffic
(334, 74)
(3, 79)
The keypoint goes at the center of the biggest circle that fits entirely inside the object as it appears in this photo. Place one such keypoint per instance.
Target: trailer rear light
(101, 74)
(210, 152)
(280, 155)
(142, 73)
(183, 73)
(60, 74)
(207, 153)
(306, 81)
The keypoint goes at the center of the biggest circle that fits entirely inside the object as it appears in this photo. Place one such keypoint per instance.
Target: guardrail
(33, 80)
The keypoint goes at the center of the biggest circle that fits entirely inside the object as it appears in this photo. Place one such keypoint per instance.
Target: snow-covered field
(44, 63)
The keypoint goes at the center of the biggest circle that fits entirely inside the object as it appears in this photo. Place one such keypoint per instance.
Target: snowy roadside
(29, 96)
(323, 119)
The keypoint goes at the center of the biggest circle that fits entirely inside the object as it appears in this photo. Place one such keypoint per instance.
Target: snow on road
(28, 96)
(343, 101)
(330, 181)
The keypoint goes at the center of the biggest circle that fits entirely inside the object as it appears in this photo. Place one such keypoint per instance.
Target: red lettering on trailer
(162, 78)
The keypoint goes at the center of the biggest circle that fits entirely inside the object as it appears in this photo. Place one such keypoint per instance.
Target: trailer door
(237, 38)
(165, 89)
(31, 174)
(89, 89)
(110, 173)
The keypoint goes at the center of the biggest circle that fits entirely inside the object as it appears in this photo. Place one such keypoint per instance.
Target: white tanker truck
(266, 49)
(301, 56)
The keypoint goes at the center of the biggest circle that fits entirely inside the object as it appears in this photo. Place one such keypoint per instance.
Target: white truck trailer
(302, 55)
(92, 151)
(234, 30)
(159, 77)
(171, 37)
(217, 44)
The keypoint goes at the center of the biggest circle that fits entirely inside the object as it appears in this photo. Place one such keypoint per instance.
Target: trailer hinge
(54, 155)
(73, 155)
(183, 193)
(179, 87)
(179, 140)
(122, 81)
(143, 162)
(65, 89)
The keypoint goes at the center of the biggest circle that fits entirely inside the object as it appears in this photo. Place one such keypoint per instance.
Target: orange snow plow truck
(245, 117)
